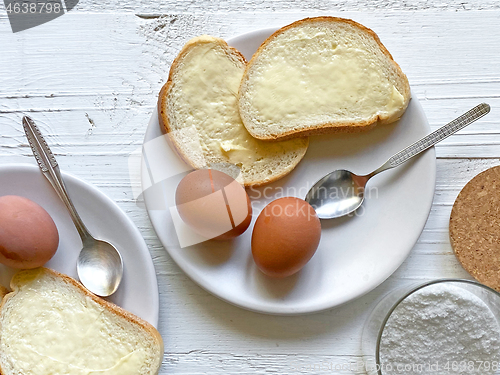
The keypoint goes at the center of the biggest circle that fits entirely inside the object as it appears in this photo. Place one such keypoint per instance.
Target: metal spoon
(99, 265)
(342, 192)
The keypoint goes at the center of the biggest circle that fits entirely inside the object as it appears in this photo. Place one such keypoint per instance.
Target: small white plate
(138, 292)
(355, 255)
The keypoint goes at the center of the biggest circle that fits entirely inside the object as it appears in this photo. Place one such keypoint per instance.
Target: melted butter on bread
(202, 94)
(319, 74)
(333, 80)
(209, 83)
(48, 328)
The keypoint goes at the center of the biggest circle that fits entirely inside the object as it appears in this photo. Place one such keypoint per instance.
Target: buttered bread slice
(198, 108)
(319, 75)
(50, 324)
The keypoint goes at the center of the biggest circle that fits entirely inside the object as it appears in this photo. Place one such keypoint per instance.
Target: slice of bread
(50, 324)
(321, 75)
(198, 108)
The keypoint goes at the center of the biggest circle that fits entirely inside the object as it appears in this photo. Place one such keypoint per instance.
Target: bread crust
(15, 285)
(329, 127)
(162, 104)
(3, 292)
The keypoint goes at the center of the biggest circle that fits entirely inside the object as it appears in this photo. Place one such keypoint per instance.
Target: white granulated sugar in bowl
(440, 329)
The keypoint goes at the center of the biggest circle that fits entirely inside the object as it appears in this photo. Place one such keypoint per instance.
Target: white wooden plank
(259, 6)
(128, 61)
(263, 363)
(425, 49)
(90, 131)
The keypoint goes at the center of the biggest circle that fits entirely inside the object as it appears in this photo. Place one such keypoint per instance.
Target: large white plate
(138, 292)
(355, 255)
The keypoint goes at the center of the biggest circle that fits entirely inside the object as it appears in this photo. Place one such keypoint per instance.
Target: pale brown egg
(285, 236)
(28, 235)
(213, 204)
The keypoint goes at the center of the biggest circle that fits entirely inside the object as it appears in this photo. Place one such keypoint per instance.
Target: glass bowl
(376, 322)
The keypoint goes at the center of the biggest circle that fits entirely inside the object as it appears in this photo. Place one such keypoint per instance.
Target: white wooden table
(91, 77)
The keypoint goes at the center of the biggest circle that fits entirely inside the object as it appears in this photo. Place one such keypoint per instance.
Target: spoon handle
(436, 136)
(50, 169)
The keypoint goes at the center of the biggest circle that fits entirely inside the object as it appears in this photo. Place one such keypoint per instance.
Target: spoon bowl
(342, 192)
(337, 194)
(100, 267)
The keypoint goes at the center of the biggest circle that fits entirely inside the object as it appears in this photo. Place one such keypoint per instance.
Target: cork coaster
(475, 227)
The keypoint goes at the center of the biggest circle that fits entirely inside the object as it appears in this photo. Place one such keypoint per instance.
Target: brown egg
(285, 236)
(213, 204)
(28, 235)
